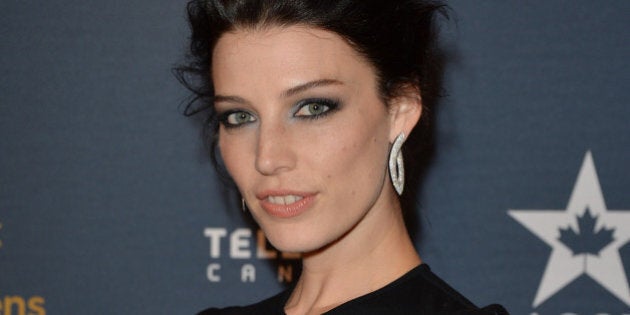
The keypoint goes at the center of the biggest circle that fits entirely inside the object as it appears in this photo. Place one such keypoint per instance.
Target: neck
(374, 253)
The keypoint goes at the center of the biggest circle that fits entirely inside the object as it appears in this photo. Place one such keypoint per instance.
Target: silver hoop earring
(243, 205)
(396, 164)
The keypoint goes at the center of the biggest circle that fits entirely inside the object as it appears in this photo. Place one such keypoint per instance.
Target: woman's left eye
(315, 108)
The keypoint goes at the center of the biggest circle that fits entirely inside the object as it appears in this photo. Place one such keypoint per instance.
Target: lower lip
(290, 210)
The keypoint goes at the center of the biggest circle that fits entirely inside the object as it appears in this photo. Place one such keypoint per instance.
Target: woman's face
(303, 132)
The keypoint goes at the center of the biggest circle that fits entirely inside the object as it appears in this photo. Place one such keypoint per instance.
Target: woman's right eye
(236, 118)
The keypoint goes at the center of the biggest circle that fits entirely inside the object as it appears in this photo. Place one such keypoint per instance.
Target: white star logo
(565, 265)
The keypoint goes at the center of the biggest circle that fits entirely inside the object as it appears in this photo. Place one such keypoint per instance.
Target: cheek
(353, 156)
(234, 158)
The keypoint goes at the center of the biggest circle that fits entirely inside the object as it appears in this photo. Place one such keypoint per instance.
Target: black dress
(419, 291)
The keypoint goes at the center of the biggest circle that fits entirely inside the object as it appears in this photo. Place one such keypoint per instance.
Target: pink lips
(285, 204)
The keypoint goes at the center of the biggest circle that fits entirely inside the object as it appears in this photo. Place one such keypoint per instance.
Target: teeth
(284, 200)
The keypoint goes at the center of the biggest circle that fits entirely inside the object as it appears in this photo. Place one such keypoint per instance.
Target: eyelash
(224, 117)
(331, 106)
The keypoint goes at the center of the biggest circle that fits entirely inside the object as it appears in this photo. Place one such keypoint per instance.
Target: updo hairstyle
(397, 37)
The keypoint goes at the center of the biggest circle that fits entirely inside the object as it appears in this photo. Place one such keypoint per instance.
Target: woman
(310, 103)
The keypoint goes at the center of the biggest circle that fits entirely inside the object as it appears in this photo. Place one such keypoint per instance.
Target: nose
(274, 152)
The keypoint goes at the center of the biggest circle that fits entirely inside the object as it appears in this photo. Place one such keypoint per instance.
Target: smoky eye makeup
(305, 109)
(235, 118)
(315, 108)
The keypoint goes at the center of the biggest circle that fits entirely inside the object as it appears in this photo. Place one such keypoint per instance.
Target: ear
(405, 111)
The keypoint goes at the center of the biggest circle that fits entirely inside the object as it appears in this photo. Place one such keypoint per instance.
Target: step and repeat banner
(109, 203)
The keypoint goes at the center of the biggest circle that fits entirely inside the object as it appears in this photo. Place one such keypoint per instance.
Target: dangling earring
(243, 205)
(396, 166)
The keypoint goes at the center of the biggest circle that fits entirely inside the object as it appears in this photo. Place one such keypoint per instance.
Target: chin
(293, 245)
(290, 242)
(301, 241)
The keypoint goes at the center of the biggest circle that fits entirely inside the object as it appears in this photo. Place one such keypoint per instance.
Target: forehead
(285, 56)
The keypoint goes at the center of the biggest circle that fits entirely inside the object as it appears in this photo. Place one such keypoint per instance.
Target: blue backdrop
(109, 205)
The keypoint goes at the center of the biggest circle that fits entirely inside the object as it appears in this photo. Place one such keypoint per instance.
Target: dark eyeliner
(223, 118)
(332, 104)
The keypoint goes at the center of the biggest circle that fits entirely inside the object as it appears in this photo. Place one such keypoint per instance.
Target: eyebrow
(288, 93)
(229, 99)
(309, 85)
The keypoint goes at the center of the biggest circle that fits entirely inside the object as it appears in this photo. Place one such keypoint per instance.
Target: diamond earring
(396, 165)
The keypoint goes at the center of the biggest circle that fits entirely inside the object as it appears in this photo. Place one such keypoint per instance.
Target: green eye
(312, 109)
(237, 118)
